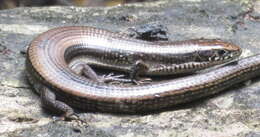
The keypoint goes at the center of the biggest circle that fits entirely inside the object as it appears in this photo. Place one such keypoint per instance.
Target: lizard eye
(222, 52)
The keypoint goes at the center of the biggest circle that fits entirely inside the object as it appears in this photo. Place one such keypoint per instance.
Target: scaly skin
(51, 54)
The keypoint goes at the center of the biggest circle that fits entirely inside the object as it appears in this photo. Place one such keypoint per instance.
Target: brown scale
(120, 98)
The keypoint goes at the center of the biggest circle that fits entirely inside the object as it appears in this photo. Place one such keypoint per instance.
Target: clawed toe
(142, 81)
(111, 77)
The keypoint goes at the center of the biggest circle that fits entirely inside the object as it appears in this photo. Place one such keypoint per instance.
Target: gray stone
(235, 112)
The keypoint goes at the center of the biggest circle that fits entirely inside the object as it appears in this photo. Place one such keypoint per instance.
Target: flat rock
(235, 112)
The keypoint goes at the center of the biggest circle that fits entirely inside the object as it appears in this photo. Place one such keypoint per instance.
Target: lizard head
(218, 51)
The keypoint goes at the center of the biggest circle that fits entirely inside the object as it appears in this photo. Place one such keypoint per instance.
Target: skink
(52, 55)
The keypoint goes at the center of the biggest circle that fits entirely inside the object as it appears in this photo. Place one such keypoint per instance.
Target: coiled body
(51, 52)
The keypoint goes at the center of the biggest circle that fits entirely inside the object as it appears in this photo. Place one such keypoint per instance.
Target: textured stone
(235, 112)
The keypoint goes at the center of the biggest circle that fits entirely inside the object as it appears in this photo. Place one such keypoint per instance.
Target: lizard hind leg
(48, 99)
(83, 69)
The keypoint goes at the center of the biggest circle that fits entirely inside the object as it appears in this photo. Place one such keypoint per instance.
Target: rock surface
(235, 112)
